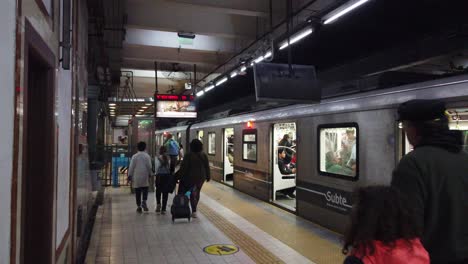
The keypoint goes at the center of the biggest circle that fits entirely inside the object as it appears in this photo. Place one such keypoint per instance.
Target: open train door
(284, 165)
(228, 167)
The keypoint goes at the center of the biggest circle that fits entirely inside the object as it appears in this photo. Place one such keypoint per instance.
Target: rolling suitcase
(180, 207)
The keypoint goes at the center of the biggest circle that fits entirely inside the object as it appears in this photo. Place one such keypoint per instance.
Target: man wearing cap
(434, 178)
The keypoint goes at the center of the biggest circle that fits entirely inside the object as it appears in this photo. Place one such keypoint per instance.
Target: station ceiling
(417, 36)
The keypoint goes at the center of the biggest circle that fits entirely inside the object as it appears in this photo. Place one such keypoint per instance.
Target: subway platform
(241, 228)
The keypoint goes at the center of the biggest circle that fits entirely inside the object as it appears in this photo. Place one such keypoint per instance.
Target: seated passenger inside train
(287, 144)
(283, 166)
(333, 164)
(285, 169)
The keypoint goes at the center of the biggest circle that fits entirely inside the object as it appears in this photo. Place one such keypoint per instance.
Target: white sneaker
(194, 215)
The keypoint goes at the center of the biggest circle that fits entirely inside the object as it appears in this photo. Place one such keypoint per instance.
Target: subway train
(308, 159)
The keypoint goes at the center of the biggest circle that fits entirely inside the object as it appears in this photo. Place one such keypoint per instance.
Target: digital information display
(175, 106)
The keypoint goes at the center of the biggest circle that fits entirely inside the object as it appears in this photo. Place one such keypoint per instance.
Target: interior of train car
(284, 164)
(228, 156)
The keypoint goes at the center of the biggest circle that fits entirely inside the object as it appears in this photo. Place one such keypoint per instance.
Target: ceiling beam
(171, 40)
(175, 17)
(152, 54)
(255, 8)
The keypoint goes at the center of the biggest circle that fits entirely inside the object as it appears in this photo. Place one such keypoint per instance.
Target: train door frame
(39, 151)
(273, 164)
(225, 156)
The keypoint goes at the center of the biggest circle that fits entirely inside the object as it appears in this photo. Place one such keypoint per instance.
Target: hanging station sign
(175, 106)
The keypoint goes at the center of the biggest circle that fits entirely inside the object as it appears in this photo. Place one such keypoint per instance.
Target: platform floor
(262, 232)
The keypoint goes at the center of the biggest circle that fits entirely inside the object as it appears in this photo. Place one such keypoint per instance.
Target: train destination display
(175, 106)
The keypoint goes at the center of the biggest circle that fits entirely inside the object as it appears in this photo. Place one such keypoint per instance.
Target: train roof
(446, 89)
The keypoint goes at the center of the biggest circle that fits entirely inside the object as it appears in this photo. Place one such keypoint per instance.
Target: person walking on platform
(164, 180)
(193, 172)
(173, 150)
(383, 229)
(139, 172)
(434, 178)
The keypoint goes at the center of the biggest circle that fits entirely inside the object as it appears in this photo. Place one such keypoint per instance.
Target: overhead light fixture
(252, 63)
(112, 104)
(200, 93)
(233, 74)
(267, 55)
(296, 37)
(207, 89)
(149, 104)
(144, 107)
(259, 59)
(243, 69)
(112, 107)
(341, 11)
(223, 80)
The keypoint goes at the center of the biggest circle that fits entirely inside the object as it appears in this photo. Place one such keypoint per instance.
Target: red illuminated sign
(172, 97)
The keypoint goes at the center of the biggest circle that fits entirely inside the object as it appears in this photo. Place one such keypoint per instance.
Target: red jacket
(403, 252)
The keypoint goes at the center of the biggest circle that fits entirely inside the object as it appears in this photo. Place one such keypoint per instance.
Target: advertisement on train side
(175, 106)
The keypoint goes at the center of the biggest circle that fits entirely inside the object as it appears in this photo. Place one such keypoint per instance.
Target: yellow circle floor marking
(221, 249)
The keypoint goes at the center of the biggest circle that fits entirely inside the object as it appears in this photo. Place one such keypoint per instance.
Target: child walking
(163, 180)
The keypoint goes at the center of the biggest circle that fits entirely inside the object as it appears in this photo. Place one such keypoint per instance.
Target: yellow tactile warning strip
(311, 246)
(252, 248)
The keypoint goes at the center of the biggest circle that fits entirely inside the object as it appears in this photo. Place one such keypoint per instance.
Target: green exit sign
(185, 41)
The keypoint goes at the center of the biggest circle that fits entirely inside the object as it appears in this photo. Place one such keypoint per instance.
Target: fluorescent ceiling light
(112, 107)
(200, 93)
(259, 59)
(296, 37)
(267, 55)
(341, 11)
(243, 69)
(144, 107)
(149, 104)
(111, 104)
(207, 89)
(233, 74)
(223, 80)
(252, 63)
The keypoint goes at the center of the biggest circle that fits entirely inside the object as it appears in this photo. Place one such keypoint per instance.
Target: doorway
(38, 181)
(284, 165)
(229, 156)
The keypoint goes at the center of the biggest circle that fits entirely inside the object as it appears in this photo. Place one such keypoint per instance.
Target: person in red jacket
(383, 229)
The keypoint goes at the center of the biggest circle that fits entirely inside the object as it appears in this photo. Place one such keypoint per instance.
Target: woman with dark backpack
(383, 229)
(163, 181)
(193, 172)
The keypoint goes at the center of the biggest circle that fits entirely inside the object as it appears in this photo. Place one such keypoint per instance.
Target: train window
(458, 120)
(338, 150)
(211, 143)
(249, 145)
(179, 137)
(200, 135)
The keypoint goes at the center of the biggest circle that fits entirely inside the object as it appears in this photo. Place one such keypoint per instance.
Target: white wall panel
(7, 88)
(63, 177)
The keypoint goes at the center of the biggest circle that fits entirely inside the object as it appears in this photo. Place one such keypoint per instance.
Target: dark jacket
(283, 168)
(435, 180)
(194, 169)
(289, 152)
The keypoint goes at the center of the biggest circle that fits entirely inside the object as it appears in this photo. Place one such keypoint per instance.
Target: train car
(309, 158)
